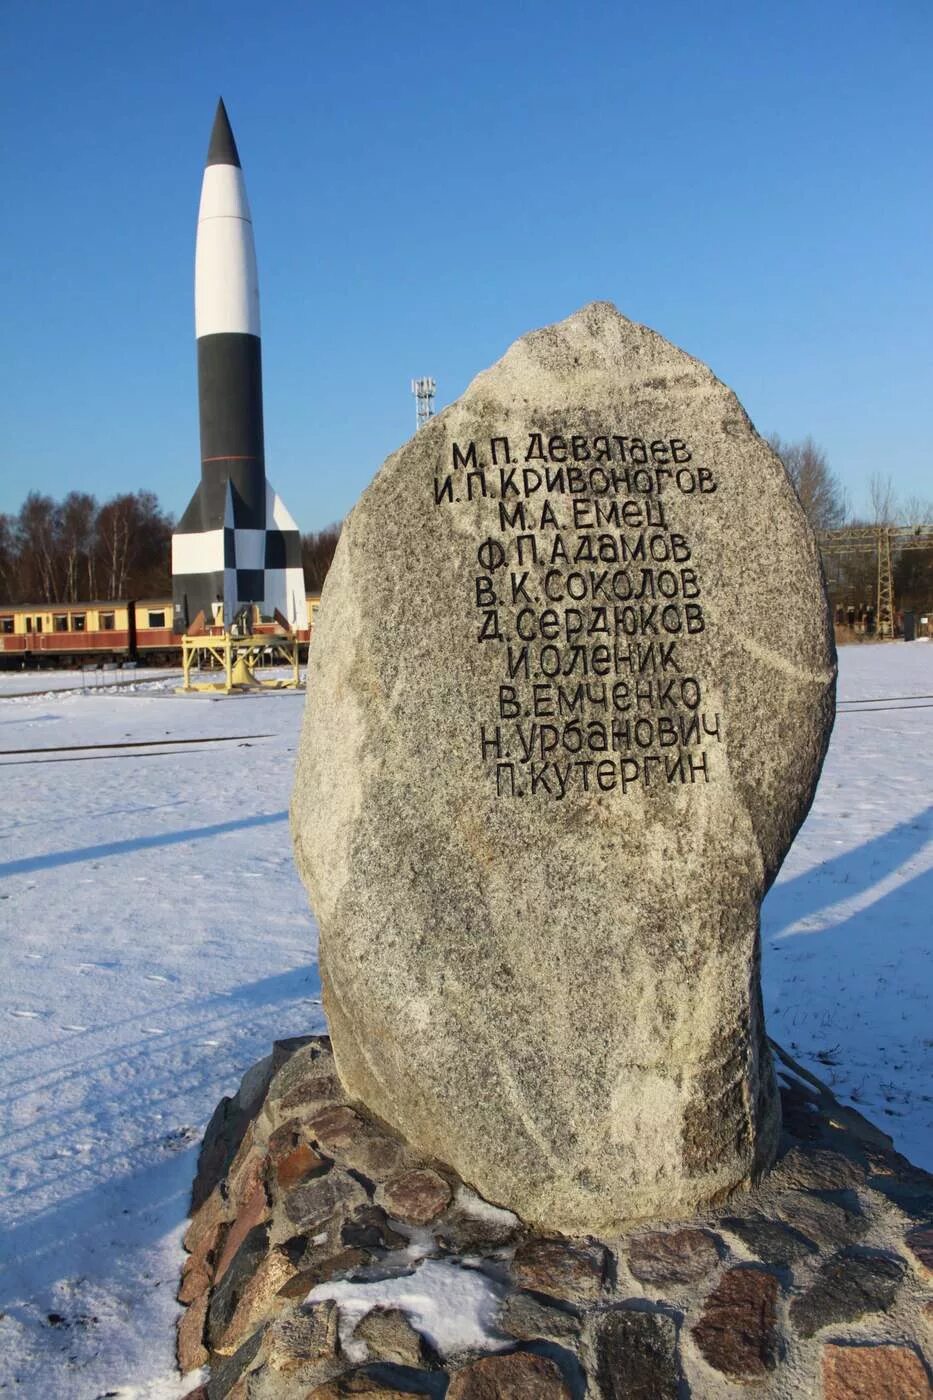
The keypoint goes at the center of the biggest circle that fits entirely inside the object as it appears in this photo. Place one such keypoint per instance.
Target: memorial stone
(569, 694)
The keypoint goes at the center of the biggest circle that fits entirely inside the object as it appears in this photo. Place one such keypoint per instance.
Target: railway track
(143, 743)
(883, 699)
(883, 704)
(120, 748)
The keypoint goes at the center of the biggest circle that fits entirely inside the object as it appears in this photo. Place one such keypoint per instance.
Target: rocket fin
(191, 522)
(276, 512)
(285, 593)
(285, 580)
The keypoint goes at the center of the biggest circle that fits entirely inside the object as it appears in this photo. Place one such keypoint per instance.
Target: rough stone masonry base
(817, 1283)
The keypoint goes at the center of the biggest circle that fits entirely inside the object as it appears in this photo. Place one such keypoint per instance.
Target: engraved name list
(593, 601)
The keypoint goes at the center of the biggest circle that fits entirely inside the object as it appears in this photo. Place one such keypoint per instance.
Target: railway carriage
(105, 630)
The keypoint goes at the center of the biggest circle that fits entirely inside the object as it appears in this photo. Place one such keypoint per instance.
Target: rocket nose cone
(222, 150)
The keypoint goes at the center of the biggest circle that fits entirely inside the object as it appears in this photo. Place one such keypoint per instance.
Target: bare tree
(882, 499)
(819, 490)
(317, 552)
(916, 510)
(113, 544)
(9, 560)
(37, 536)
(78, 517)
(150, 566)
(133, 545)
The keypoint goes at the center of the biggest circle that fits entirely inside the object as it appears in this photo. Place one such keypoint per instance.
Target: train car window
(60, 622)
(38, 624)
(157, 619)
(6, 625)
(77, 622)
(106, 622)
(28, 624)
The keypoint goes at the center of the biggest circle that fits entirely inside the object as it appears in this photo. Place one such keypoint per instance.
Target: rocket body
(236, 543)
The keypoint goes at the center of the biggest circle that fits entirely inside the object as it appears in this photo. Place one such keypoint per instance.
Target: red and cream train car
(74, 634)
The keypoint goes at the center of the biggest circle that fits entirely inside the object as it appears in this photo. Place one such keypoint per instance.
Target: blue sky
(429, 182)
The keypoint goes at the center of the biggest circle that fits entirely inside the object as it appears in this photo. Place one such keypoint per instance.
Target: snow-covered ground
(847, 929)
(88, 679)
(157, 939)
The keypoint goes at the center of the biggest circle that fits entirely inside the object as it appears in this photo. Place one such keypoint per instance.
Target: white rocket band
(226, 285)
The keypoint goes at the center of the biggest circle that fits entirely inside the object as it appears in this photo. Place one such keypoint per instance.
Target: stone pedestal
(821, 1275)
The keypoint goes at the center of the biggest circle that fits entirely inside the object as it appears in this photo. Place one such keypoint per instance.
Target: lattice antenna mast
(424, 391)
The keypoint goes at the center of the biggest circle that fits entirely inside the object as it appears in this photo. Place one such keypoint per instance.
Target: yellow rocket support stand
(237, 658)
(242, 675)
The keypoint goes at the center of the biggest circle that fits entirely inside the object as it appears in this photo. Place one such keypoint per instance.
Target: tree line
(78, 549)
(73, 550)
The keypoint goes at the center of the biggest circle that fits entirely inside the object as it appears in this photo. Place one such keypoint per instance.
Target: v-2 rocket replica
(236, 544)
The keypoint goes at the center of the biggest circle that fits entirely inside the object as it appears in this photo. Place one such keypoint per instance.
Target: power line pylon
(882, 541)
(423, 390)
(885, 584)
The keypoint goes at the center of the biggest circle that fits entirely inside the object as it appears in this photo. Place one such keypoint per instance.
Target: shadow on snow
(844, 876)
(92, 1223)
(138, 843)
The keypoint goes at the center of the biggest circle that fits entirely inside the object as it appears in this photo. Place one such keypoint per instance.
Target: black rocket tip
(222, 150)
